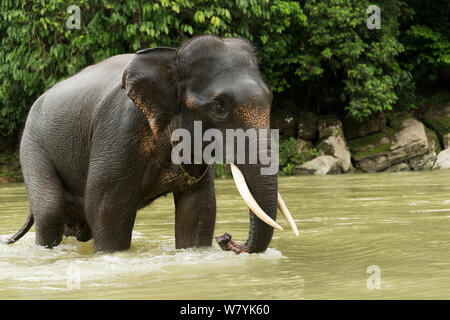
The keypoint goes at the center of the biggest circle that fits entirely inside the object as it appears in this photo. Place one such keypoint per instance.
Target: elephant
(96, 147)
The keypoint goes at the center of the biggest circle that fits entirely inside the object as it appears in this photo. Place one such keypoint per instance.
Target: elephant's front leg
(195, 214)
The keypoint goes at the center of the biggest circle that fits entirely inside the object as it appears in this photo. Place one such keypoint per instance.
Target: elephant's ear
(149, 80)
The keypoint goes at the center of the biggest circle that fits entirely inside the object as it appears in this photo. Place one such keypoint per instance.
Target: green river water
(355, 230)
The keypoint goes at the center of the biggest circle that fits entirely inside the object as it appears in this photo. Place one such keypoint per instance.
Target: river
(362, 236)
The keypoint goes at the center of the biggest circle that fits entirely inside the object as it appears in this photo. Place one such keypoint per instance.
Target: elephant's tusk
(248, 197)
(286, 214)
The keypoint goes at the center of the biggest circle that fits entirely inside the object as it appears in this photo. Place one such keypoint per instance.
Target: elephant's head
(216, 81)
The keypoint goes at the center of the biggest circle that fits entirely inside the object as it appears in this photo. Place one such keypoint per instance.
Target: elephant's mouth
(225, 241)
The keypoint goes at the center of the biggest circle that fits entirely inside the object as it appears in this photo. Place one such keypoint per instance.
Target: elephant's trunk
(264, 189)
(260, 192)
(258, 185)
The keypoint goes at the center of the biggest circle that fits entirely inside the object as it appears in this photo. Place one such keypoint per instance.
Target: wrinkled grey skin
(96, 147)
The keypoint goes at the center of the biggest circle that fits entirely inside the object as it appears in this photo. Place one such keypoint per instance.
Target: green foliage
(382, 148)
(220, 170)
(427, 40)
(290, 156)
(38, 50)
(10, 170)
(431, 48)
(318, 53)
(357, 64)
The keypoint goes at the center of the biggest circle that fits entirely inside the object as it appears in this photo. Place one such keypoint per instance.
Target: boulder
(329, 127)
(307, 126)
(336, 147)
(443, 160)
(333, 142)
(426, 160)
(355, 129)
(320, 166)
(406, 141)
(411, 139)
(422, 162)
(400, 167)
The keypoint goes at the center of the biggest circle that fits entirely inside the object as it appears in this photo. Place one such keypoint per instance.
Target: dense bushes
(357, 65)
(319, 53)
(427, 42)
(10, 170)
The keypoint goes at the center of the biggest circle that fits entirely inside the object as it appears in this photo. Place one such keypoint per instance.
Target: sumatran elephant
(96, 147)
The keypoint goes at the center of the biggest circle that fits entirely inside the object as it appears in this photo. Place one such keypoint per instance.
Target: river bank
(391, 141)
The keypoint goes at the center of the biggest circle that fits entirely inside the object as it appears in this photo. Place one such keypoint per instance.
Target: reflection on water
(396, 222)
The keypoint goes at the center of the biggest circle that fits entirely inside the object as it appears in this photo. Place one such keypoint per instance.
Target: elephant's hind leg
(45, 193)
(76, 225)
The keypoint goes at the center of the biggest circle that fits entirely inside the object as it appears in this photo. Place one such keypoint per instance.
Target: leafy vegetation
(291, 156)
(358, 65)
(220, 170)
(10, 168)
(427, 43)
(319, 54)
(38, 50)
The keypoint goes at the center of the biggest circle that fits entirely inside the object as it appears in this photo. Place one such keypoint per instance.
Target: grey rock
(321, 165)
(443, 160)
(409, 142)
(333, 142)
(336, 147)
(423, 162)
(354, 129)
(400, 167)
(329, 127)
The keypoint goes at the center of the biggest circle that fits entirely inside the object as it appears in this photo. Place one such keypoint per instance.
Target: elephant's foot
(227, 244)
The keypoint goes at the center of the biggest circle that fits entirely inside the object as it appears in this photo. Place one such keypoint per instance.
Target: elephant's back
(101, 75)
(60, 121)
(85, 90)
(76, 98)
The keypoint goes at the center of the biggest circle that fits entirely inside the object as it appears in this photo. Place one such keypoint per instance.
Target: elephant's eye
(220, 111)
(220, 108)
